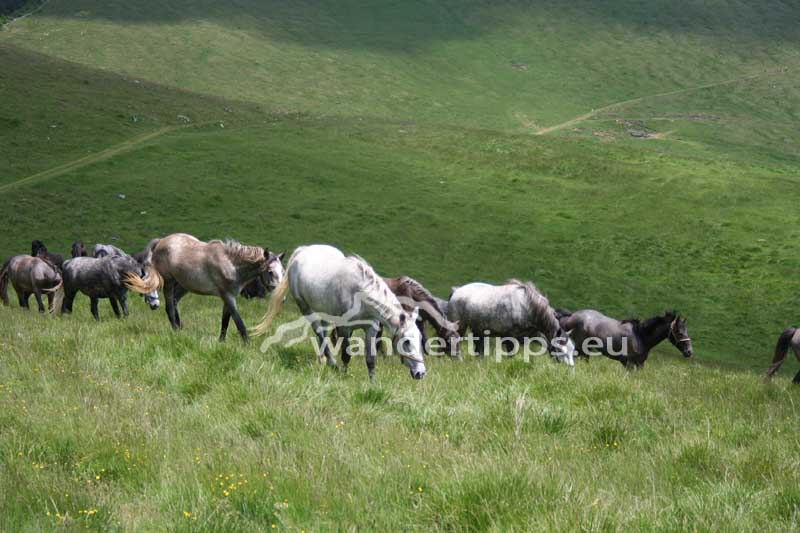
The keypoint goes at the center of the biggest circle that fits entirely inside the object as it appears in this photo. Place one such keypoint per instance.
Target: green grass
(144, 425)
(401, 132)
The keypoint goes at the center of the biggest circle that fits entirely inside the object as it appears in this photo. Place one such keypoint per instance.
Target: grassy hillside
(407, 132)
(448, 61)
(123, 426)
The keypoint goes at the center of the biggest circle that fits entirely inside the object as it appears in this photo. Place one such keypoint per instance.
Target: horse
(104, 277)
(30, 275)
(182, 263)
(344, 292)
(514, 310)
(412, 294)
(106, 250)
(789, 338)
(79, 249)
(38, 249)
(612, 337)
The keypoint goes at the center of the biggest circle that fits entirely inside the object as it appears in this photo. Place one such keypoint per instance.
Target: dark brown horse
(38, 249)
(30, 275)
(182, 263)
(790, 338)
(412, 294)
(79, 249)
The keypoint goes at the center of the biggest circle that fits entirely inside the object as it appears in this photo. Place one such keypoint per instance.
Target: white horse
(345, 293)
(515, 310)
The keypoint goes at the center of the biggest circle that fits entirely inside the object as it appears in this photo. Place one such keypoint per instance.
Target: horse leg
(372, 336)
(23, 297)
(423, 337)
(345, 350)
(180, 292)
(226, 319)
(38, 295)
(169, 296)
(123, 300)
(325, 352)
(69, 298)
(114, 306)
(230, 302)
(50, 301)
(95, 314)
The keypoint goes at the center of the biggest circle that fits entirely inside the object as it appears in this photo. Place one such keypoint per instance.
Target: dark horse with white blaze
(412, 294)
(182, 263)
(30, 275)
(97, 278)
(790, 338)
(626, 341)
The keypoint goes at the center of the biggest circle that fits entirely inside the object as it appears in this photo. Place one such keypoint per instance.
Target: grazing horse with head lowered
(38, 249)
(333, 290)
(183, 264)
(790, 338)
(30, 275)
(626, 341)
(516, 310)
(412, 295)
(97, 278)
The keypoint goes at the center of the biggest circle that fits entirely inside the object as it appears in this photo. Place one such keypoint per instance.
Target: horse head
(679, 336)
(408, 343)
(273, 272)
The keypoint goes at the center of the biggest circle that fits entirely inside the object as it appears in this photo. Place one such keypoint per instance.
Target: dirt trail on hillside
(594, 112)
(123, 147)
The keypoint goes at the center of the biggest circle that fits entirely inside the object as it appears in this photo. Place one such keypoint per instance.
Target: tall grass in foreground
(126, 425)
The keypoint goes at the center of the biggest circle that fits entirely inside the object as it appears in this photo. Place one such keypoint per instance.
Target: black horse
(626, 341)
(79, 249)
(97, 278)
(38, 249)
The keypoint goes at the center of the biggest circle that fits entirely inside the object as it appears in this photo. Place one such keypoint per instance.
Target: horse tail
(276, 300)
(4, 283)
(151, 282)
(781, 349)
(58, 297)
(148, 251)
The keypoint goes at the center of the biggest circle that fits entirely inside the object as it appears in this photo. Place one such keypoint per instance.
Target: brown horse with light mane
(412, 294)
(182, 263)
(30, 275)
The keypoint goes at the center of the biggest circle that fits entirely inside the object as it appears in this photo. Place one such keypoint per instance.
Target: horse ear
(280, 256)
(266, 252)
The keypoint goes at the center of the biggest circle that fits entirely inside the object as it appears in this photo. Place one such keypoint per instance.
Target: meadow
(449, 141)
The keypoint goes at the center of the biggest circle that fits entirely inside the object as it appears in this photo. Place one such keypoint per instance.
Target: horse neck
(652, 334)
(383, 305)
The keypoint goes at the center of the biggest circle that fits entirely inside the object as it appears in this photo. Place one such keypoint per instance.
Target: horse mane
(543, 314)
(373, 284)
(647, 324)
(418, 292)
(242, 252)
